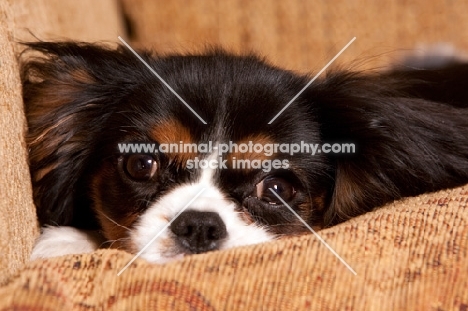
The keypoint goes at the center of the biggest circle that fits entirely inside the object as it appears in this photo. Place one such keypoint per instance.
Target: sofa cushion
(409, 255)
(47, 20)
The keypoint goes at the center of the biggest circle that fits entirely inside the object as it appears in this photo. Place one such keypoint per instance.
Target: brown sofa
(409, 255)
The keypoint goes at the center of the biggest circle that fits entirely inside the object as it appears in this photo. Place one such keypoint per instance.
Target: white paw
(58, 241)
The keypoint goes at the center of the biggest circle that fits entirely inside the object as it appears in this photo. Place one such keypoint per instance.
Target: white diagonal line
(159, 233)
(313, 79)
(161, 79)
(315, 233)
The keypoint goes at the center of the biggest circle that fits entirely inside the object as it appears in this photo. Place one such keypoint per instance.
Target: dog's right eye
(140, 167)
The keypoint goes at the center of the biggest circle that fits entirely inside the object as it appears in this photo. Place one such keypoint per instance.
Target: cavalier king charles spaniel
(194, 164)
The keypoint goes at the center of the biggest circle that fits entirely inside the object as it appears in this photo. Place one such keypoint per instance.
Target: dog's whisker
(112, 242)
(144, 200)
(113, 221)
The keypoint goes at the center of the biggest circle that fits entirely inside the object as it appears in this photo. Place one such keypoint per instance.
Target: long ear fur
(69, 90)
(406, 143)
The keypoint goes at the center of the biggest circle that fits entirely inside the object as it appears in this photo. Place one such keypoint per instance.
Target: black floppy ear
(69, 90)
(404, 144)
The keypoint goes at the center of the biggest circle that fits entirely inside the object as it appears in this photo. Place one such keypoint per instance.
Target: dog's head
(87, 106)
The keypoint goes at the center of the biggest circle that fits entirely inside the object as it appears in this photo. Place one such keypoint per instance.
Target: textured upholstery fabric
(46, 20)
(410, 255)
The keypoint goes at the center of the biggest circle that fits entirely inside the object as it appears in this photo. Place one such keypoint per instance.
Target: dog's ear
(347, 115)
(404, 145)
(69, 90)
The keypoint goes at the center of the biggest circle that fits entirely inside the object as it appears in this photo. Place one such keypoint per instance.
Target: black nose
(199, 232)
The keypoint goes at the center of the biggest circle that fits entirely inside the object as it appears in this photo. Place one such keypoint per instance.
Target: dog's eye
(140, 167)
(280, 186)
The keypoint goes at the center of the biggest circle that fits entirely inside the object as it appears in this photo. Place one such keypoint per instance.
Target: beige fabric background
(411, 255)
(17, 216)
(301, 34)
(46, 19)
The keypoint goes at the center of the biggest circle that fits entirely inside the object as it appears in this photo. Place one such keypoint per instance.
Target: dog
(408, 128)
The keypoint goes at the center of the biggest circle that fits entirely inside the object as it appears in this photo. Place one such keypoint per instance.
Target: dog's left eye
(280, 186)
(140, 167)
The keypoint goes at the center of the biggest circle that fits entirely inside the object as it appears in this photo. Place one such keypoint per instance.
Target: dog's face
(85, 102)
(136, 195)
